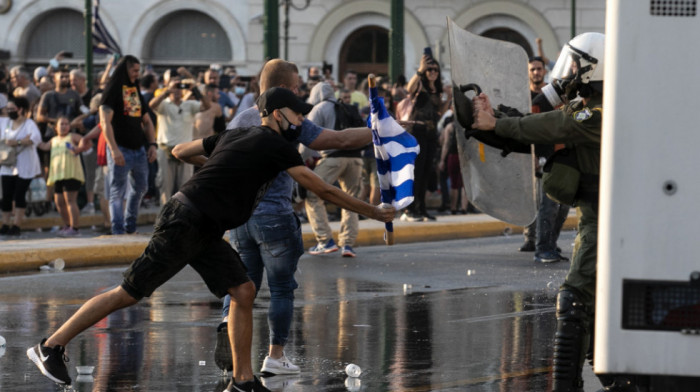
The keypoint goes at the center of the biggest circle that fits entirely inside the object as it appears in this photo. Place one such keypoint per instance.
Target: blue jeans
(136, 170)
(271, 244)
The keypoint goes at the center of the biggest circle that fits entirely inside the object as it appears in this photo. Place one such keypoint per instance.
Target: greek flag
(102, 41)
(395, 151)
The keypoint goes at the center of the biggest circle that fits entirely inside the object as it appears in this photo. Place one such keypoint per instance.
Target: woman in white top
(20, 132)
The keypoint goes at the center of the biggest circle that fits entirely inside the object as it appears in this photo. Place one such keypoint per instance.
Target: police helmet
(581, 59)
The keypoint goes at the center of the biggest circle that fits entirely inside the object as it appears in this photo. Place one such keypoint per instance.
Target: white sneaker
(88, 209)
(279, 366)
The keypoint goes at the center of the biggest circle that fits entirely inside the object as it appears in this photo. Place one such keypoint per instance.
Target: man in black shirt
(237, 167)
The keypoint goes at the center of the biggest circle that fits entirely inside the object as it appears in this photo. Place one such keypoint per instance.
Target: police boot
(570, 342)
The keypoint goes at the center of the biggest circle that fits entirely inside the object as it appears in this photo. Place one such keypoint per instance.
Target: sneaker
(69, 232)
(428, 217)
(250, 386)
(222, 352)
(14, 230)
(547, 257)
(527, 246)
(4, 229)
(411, 217)
(279, 366)
(51, 362)
(348, 252)
(88, 209)
(102, 229)
(321, 248)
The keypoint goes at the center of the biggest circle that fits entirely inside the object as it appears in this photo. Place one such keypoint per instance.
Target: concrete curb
(29, 255)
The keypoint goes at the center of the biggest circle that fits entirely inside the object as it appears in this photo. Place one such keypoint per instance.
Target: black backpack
(347, 116)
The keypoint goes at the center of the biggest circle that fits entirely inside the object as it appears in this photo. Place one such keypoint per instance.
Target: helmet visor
(571, 62)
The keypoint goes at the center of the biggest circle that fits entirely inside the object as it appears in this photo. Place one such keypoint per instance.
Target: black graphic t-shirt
(128, 110)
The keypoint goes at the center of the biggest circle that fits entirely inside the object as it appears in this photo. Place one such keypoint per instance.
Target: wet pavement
(462, 315)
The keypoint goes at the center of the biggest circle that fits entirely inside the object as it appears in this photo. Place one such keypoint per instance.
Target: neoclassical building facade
(345, 33)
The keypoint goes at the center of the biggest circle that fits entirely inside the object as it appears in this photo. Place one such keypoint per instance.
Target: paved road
(461, 315)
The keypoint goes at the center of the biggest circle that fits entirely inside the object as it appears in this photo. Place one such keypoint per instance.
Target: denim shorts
(182, 235)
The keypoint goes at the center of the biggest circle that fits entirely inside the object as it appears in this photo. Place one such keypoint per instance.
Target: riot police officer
(573, 176)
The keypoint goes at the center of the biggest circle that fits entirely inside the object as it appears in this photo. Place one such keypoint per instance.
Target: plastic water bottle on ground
(353, 370)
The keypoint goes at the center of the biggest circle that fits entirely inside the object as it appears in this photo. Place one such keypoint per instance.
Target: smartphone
(245, 78)
(116, 56)
(68, 55)
(427, 51)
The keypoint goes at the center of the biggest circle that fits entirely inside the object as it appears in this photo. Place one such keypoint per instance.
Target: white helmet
(582, 59)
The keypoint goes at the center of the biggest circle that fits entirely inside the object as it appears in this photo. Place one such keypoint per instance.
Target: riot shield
(500, 186)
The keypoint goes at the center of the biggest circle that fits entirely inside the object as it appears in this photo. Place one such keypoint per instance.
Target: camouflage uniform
(577, 125)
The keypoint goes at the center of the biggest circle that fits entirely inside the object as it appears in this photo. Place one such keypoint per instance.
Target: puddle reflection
(467, 339)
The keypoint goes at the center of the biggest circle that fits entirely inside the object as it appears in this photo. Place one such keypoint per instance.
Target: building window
(188, 37)
(506, 34)
(54, 31)
(365, 51)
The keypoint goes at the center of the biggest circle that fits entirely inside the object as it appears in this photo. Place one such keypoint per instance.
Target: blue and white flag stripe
(395, 151)
(102, 41)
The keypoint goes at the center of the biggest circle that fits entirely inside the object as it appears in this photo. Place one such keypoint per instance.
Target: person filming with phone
(425, 92)
(175, 122)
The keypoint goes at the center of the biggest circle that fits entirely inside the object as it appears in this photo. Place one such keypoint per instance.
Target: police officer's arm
(312, 182)
(191, 152)
(546, 128)
(342, 140)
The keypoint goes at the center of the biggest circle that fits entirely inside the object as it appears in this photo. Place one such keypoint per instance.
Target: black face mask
(292, 132)
(13, 115)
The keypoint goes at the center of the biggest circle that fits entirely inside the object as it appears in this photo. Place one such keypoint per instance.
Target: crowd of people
(114, 178)
(243, 181)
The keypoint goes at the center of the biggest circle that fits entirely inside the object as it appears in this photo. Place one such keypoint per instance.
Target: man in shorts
(237, 167)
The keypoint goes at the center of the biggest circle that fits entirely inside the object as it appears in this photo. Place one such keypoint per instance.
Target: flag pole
(88, 44)
(389, 226)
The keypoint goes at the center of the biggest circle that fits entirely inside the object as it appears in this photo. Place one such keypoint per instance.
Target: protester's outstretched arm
(350, 138)
(312, 182)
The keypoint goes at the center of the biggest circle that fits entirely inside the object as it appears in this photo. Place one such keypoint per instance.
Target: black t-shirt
(129, 109)
(242, 164)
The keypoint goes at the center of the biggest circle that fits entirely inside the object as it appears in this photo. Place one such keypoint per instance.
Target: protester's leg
(280, 250)
(138, 178)
(164, 180)
(71, 198)
(240, 330)
(244, 242)
(420, 180)
(90, 313)
(329, 170)
(560, 217)
(350, 183)
(8, 184)
(89, 165)
(184, 173)
(545, 225)
(60, 199)
(530, 231)
(116, 190)
(20, 198)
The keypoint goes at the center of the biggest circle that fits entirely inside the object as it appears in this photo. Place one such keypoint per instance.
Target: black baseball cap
(278, 98)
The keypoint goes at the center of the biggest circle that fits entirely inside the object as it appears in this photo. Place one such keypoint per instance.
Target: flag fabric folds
(102, 41)
(395, 151)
